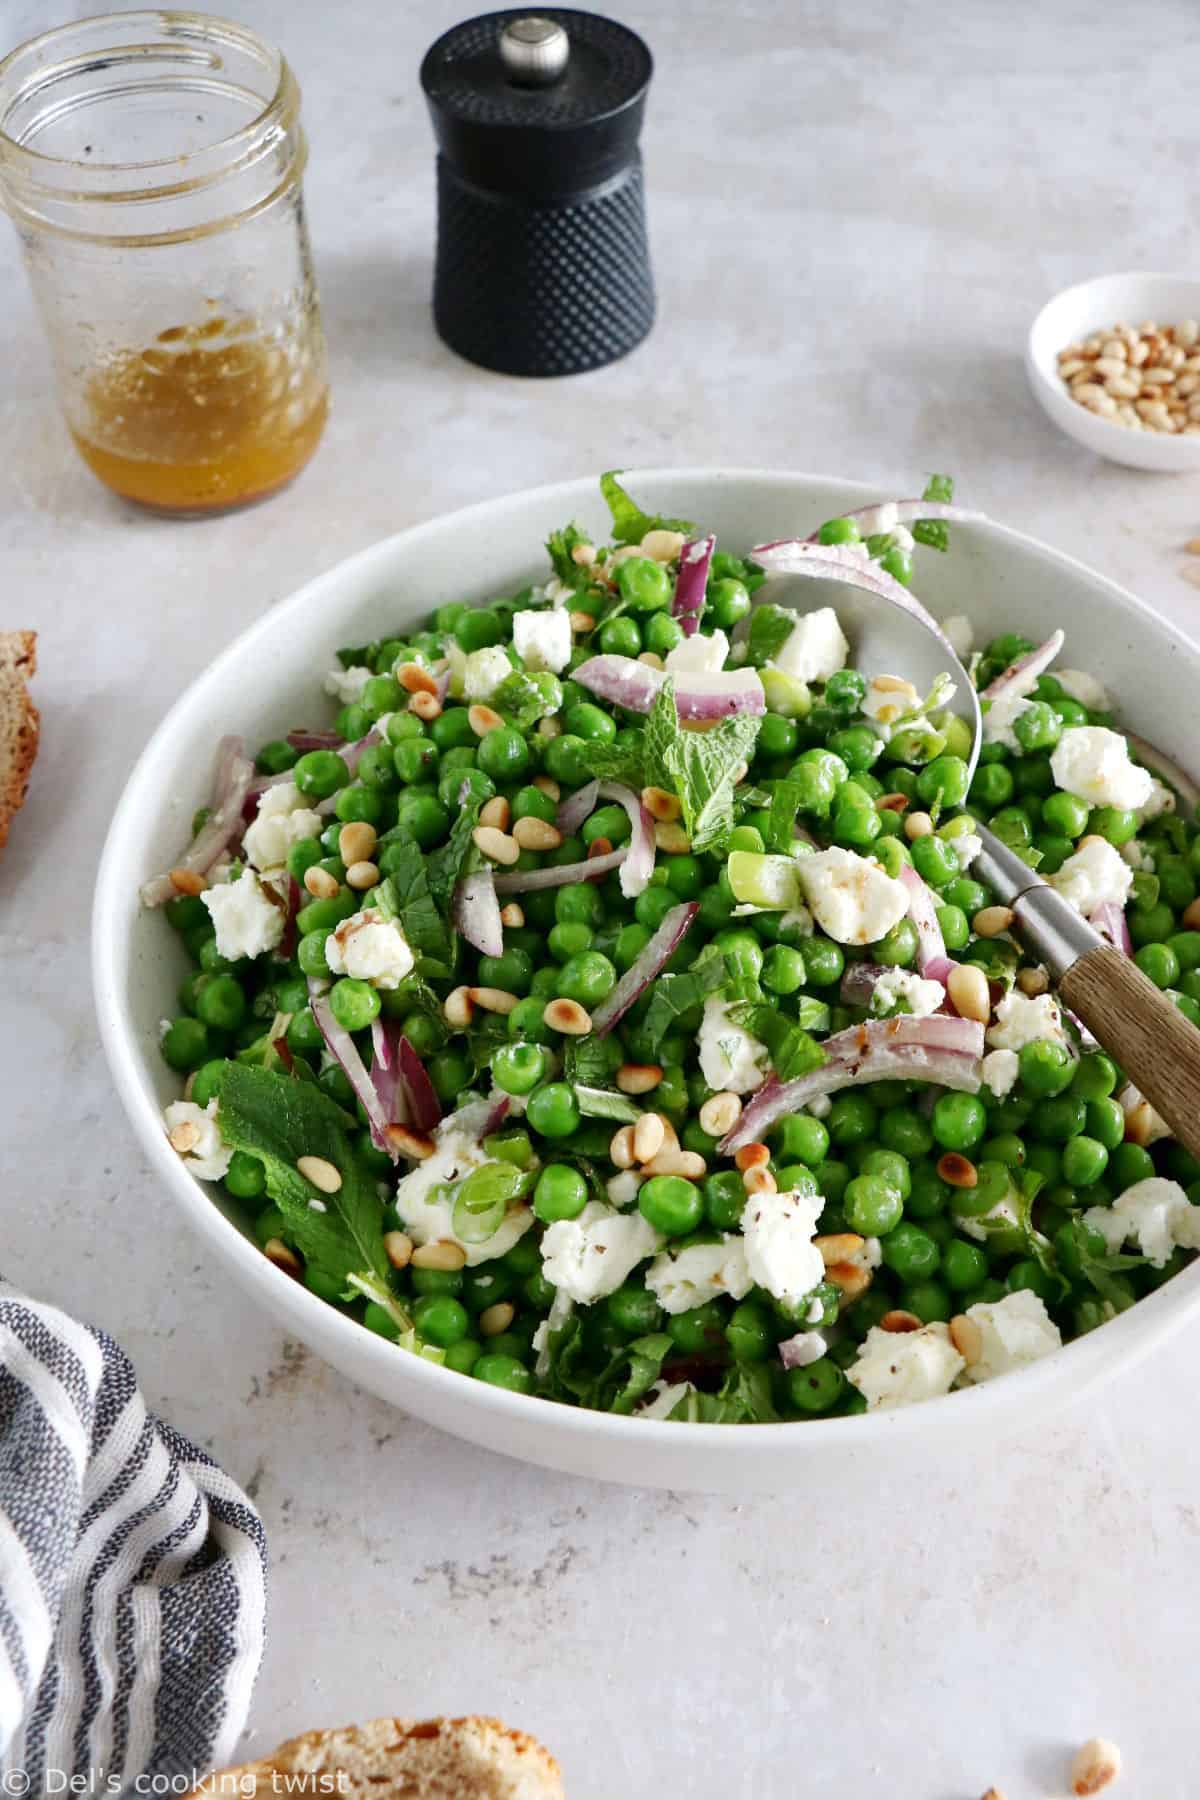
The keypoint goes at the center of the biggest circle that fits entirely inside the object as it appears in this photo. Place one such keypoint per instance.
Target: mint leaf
(524, 697)
(619, 762)
(406, 896)
(781, 825)
(559, 546)
(793, 1052)
(744, 1398)
(941, 489)
(932, 532)
(770, 629)
(630, 523)
(613, 1386)
(674, 995)
(606, 1103)
(279, 1120)
(699, 766)
(592, 1060)
(445, 866)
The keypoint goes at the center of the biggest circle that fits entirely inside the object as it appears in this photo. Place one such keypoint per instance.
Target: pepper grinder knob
(542, 265)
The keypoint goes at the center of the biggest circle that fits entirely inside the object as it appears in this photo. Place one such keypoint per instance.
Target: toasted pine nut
(546, 784)
(483, 719)
(661, 545)
(648, 1137)
(413, 1144)
(672, 838)
(660, 805)
(720, 1113)
(496, 812)
(1033, 981)
(760, 1180)
(512, 916)
(537, 834)
(993, 1793)
(321, 1173)
(990, 921)
(638, 1078)
(899, 1320)
(425, 706)
(187, 881)
(457, 1008)
(184, 1136)
(277, 1252)
(967, 986)
(838, 1247)
(1139, 1124)
(494, 1000)
(496, 844)
(1191, 916)
(1095, 1767)
(620, 1150)
(441, 1255)
(398, 1248)
(357, 841)
(652, 659)
(495, 1319)
(670, 1140)
(751, 1156)
(600, 846)
(850, 1278)
(917, 825)
(567, 1016)
(896, 803)
(416, 680)
(583, 554)
(956, 1169)
(320, 883)
(582, 622)
(967, 1338)
(362, 875)
(688, 1163)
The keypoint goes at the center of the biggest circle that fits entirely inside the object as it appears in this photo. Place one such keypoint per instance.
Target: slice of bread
(402, 1759)
(18, 722)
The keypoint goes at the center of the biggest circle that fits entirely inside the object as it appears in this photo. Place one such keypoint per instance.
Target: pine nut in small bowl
(1115, 362)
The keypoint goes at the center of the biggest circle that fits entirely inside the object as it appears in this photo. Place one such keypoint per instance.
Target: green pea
(749, 1332)
(911, 1254)
(1158, 962)
(1150, 924)
(724, 1199)
(353, 1004)
(1055, 1120)
(320, 773)
(872, 1205)
(611, 822)
(588, 978)
(633, 1309)
(943, 781)
(1037, 726)
(856, 745)
(783, 969)
(661, 633)
(1084, 1160)
(817, 1388)
(899, 948)
(964, 1265)
(422, 816)
(220, 1002)
(518, 1068)
(245, 1178)
(929, 1300)
(415, 761)
(824, 961)
(553, 1110)
(804, 1139)
(631, 941)
(644, 584)
(671, 1204)
(207, 1080)
(1177, 883)
(437, 1281)
(698, 1331)
(992, 786)
(462, 1356)
(565, 758)
(441, 1320)
(587, 722)
(851, 1120)
(503, 1371)
(275, 757)
(1047, 1067)
(185, 1044)
(450, 1072)
(325, 915)
(959, 1121)
(304, 1034)
(685, 876)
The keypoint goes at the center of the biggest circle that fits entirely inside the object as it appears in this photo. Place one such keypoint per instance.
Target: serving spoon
(1124, 1011)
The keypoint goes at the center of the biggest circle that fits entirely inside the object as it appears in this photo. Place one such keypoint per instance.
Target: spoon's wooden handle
(1156, 1046)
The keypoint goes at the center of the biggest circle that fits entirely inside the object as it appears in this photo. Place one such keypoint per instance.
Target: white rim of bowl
(316, 1317)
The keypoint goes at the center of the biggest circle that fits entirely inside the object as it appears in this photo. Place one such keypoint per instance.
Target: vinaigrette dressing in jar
(152, 164)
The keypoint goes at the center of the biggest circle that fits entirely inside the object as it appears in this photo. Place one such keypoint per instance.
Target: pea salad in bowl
(598, 1002)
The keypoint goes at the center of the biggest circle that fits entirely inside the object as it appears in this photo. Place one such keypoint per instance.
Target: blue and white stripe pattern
(132, 1573)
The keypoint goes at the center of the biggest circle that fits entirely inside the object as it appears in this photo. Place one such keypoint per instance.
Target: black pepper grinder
(543, 267)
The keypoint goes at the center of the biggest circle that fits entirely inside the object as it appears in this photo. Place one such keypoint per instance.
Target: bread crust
(470, 1758)
(19, 723)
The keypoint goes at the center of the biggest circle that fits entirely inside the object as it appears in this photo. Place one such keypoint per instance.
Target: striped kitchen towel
(132, 1575)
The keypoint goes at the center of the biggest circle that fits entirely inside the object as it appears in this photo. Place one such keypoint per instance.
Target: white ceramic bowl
(1092, 306)
(268, 679)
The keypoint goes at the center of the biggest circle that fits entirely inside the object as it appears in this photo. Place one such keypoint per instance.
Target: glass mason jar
(152, 164)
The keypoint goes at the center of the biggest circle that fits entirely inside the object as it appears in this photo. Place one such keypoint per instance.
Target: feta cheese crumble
(1161, 800)
(1000, 1069)
(346, 685)
(663, 1398)
(247, 921)
(698, 654)
(898, 1368)
(368, 947)
(1016, 1331)
(1022, 1019)
(852, 899)
(591, 1256)
(777, 1230)
(194, 1134)
(1096, 873)
(1000, 717)
(732, 1060)
(1076, 684)
(484, 672)
(283, 818)
(901, 985)
(698, 1273)
(1155, 1213)
(542, 640)
(816, 648)
(1093, 763)
(425, 1198)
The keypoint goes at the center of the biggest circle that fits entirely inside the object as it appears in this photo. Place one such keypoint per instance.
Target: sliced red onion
(858, 983)
(382, 1045)
(703, 697)
(932, 961)
(937, 1048)
(259, 785)
(287, 943)
(475, 912)
(691, 581)
(640, 974)
(528, 881)
(344, 1050)
(304, 739)
(231, 781)
(577, 807)
(1166, 770)
(887, 514)
(1109, 920)
(385, 1070)
(1020, 676)
(839, 562)
(498, 1105)
(423, 1106)
(638, 866)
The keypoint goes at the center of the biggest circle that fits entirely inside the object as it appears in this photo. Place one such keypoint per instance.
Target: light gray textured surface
(854, 215)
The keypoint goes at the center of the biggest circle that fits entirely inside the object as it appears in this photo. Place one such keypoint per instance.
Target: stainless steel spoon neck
(1052, 929)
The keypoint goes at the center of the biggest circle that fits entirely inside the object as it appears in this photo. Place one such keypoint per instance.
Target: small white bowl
(1092, 306)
